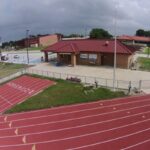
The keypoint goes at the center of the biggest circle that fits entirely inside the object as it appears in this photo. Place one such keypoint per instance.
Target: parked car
(16, 56)
(4, 58)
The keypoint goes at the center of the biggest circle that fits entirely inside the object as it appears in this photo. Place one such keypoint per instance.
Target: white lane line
(87, 104)
(10, 83)
(81, 126)
(12, 98)
(77, 111)
(89, 116)
(135, 145)
(111, 140)
(5, 100)
(106, 121)
(80, 136)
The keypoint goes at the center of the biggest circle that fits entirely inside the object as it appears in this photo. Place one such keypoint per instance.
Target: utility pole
(27, 45)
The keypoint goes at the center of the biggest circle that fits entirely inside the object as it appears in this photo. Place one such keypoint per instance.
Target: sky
(71, 16)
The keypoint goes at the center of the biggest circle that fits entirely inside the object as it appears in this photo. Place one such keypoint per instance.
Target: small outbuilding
(91, 52)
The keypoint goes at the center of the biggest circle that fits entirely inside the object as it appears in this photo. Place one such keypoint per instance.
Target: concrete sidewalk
(102, 75)
(101, 72)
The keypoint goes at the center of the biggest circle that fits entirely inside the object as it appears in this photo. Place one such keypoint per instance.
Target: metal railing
(12, 76)
(104, 82)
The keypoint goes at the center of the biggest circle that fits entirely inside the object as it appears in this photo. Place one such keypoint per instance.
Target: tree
(98, 33)
(73, 35)
(147, 33)
(140, 32)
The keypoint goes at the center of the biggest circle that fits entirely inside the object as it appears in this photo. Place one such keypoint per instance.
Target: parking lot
(20, 57)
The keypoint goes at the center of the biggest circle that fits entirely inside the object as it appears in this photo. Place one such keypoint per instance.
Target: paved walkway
(102, 72)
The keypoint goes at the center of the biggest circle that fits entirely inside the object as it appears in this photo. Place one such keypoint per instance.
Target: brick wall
(48, 40)
(123, 61)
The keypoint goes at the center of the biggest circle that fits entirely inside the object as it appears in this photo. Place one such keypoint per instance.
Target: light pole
(27, 44)
(148, 51)
(0, 48)
(115, 47)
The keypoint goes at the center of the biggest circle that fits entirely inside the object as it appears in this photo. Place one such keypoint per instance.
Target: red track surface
(104, 125)
(19, 89)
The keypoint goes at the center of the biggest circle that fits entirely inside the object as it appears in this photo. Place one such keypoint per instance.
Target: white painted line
(86, 104)
(80, 136)
(84, 117)
(81, 126)
(77, 111)
(106, 121)
(138, 144)
(4, 99)
(115, 139)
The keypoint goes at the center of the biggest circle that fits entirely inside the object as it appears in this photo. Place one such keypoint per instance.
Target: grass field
(64, 93)
(9, 68)
(147, 50)
(36, 48)
(144, 63)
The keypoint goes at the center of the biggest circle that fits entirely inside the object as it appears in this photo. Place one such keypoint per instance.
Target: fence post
(106, 82)
(140, 85)
(117, 84)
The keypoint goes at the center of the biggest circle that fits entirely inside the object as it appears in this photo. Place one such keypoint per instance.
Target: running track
(18, 90)
(119, 124)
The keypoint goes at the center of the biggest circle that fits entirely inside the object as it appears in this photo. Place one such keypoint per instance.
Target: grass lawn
(147, 50)
(64, 93)
(36, 48)
(9, 68)
(144, 63)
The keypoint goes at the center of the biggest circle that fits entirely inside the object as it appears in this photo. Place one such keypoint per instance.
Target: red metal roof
(77, 46)
(135, 38)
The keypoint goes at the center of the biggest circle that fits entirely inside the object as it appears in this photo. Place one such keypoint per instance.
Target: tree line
(142, 32)
(95, 33)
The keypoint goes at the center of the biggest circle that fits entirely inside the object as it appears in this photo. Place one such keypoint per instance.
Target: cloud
(68, 16)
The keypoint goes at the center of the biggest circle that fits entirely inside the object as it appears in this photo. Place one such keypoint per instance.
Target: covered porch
(92, 59)
(64, 58)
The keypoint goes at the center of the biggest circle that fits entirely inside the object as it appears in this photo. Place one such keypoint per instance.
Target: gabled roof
(76, 46)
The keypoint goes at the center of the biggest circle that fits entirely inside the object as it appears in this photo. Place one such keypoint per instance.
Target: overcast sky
(71, 16)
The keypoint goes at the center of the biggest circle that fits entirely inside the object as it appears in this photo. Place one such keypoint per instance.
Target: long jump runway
(18, 90)
(119, 124)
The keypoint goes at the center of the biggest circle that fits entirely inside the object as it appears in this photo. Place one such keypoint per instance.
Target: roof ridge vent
(106, 43)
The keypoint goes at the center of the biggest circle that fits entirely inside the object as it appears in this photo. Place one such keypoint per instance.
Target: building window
(84, 56)
(92, 57)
